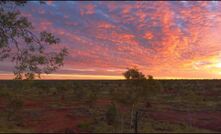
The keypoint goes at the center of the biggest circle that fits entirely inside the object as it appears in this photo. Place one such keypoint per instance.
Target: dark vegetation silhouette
(143, 87)
(134, 74)
(32, 53)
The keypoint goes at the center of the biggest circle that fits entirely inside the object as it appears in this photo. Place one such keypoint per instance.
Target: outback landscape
(109, 106)
(110, 66)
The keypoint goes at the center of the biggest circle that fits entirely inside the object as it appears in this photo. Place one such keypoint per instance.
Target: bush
(85, 126)
(111, 115)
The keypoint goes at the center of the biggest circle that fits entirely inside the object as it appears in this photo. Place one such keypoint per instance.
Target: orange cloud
(165, 39)
(148, 36)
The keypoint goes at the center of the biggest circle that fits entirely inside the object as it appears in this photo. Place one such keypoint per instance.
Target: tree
(150, 77)
(133, 74)
(139, 92)
(32, 54)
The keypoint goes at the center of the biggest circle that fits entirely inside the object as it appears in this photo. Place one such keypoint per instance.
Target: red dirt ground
(206, 120)
(57, 119)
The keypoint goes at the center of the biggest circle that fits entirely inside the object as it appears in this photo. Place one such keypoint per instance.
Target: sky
(166, 39)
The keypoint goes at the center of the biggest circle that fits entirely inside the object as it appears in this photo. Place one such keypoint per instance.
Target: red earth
(47, 119)
(205, 120)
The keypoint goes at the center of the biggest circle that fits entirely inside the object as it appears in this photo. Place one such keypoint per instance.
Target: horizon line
(10, 76)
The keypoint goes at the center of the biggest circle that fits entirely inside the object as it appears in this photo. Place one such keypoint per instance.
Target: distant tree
(32, 54)
(133, 74)
(137, 95)
(150, 77)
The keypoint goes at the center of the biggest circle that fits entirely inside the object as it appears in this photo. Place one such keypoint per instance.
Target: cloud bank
(171, 39)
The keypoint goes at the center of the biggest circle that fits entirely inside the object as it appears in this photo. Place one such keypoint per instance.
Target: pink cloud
(87, 9)
(165, 39)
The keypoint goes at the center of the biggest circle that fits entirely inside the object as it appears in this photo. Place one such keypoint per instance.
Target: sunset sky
(168, 39)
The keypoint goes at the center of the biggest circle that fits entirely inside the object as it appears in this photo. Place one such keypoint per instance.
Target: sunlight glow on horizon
(105, 38)
(10, 76)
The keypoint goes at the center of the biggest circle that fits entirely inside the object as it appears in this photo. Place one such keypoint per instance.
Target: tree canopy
(32, 54)
(133, 74)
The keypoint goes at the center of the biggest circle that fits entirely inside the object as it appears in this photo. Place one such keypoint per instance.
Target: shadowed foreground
(106, 106)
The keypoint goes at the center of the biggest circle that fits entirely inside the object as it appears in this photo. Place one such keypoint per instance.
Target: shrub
(111, 115)
(85, 126)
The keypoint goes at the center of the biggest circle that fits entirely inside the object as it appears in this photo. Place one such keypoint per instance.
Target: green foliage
(129, 96)
(85, 126)
(32, 55)
(139, 91)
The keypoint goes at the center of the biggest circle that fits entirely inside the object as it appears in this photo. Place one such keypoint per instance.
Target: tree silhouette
(133, 74)
(150, 77)
(32, 54)
(139, 93)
